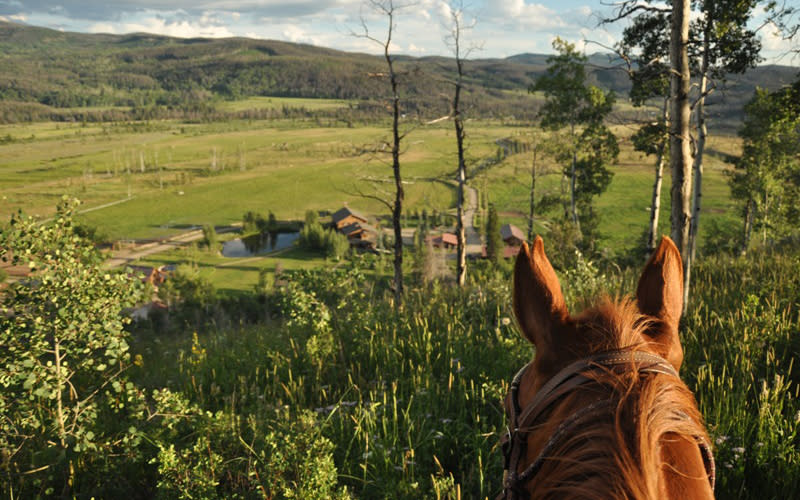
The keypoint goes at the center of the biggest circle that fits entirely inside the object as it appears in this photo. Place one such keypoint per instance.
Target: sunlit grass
(413, 401)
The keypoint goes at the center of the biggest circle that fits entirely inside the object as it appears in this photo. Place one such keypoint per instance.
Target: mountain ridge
(76, 70)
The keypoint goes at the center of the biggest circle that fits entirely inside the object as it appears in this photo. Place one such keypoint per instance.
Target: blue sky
(503, 28)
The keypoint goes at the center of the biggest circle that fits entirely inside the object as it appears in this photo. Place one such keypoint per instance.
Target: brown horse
(601, 412)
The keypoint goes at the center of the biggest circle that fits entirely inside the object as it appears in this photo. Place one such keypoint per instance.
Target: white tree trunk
(655, 205)
(532, 211)
(680, 141)
(697, 193)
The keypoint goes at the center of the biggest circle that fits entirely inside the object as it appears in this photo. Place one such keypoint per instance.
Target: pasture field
(183, 174)
(624, 209)
(152, 179)
(310, 104)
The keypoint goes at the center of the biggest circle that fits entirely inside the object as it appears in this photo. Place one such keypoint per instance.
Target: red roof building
(444, 240)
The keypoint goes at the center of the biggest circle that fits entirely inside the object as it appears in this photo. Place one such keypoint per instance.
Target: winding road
(474, 240)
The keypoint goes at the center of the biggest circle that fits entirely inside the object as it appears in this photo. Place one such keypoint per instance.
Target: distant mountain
(43, 72)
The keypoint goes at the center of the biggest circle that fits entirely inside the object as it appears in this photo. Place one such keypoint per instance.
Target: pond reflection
(257, 244)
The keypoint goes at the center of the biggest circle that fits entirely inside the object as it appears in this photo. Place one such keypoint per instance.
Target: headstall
(568, 379)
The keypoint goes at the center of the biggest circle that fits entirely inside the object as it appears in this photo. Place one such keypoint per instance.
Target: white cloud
(771, 38)
(102, 28)
(516, 14)
(444, 10)
(776, 49)
(294, 34)
(206, 27)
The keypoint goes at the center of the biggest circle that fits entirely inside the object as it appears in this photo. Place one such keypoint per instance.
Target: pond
(257, 244)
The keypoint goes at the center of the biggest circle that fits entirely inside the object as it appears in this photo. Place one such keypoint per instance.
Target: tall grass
(408, 405)
(741, 344)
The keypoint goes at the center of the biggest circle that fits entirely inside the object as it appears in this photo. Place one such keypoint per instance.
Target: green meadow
(258, 102)
(151, 179)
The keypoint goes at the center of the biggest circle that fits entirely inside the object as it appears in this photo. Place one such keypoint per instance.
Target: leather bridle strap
(570, 377)
(584, 415)
(563, 382)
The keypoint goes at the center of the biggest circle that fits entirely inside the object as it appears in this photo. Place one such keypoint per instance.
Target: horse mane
(618, 456)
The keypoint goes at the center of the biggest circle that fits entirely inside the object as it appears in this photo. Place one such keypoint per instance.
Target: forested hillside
(47, 74)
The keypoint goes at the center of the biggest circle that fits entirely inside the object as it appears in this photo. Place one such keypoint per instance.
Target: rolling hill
(49, 74)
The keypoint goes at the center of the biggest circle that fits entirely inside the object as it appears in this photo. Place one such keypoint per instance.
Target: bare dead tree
(389, 9)
(455, 42)
(655, 203)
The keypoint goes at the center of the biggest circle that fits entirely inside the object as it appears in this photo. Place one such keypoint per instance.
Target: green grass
(281, 102)
(213, 173)
(413, 408)
(624, 207)
(232, 276)
(287, 170)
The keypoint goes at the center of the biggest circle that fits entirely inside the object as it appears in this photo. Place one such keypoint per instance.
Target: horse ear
(538, 302)
(660, 295)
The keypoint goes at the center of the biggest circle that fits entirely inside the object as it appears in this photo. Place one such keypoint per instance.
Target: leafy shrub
(187, 286)
(316, 238)
(65, 400)
(312, 236)
(335, 245)
(90, 233)
(253, 222)
(210, 239)
(722, 236)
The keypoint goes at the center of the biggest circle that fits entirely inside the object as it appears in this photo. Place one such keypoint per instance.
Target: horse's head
(591, 384)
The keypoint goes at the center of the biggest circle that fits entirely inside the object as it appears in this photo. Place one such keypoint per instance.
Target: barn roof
(346, 212)
(511, 231)
(357, 227)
